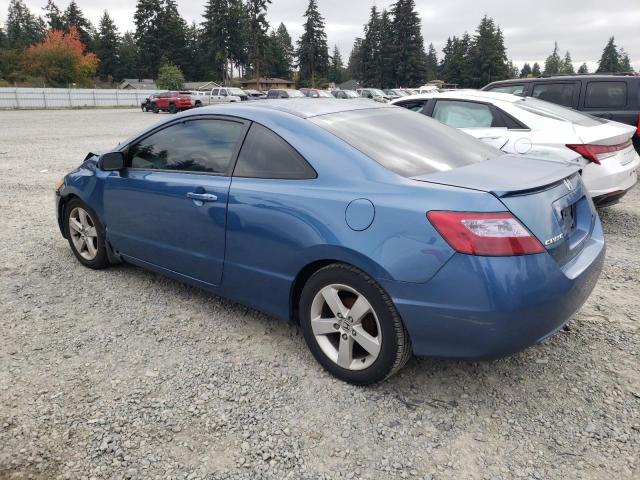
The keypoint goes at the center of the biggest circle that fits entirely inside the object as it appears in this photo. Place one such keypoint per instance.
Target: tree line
(235, 39)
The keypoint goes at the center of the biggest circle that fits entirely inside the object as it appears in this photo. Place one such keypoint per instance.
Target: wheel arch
(351, 259)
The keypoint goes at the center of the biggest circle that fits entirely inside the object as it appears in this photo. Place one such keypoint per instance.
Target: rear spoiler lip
(539, 186)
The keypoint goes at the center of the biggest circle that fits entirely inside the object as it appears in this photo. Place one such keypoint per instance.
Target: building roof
(268, 80)
(349, 85)
(201, 85)
(139, 83)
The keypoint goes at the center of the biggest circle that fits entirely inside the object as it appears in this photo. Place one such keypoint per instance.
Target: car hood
(504, 174)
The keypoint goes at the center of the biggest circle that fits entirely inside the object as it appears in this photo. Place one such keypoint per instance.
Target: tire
(380, 329)
(87, 243)
(155, 108)
(173, 109)
(198, 104)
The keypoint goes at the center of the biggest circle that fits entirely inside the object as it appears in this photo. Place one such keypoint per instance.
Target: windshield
(376, 93)
(324, 94)
(400, 93)
(351, 93)
(237, 92)
(557, 112)
(405, 143)
(295, 93)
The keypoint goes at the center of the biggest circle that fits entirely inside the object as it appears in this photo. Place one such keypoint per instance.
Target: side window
(194, 146)
(265, 155)
(414, 106)
(559, 93)
(459, 114)
(223, 92)
(606, 95)
(513, 89)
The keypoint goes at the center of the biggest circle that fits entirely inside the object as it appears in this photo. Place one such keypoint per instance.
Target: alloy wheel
(346, 327)
(83, 233)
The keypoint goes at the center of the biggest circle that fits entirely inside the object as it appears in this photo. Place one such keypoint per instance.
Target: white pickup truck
(217, 95)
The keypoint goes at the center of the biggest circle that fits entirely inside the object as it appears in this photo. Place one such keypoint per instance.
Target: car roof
(468, 95)
(300, 107)
(556, 78)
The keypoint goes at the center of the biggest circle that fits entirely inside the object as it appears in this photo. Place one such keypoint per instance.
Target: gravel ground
(122, 373)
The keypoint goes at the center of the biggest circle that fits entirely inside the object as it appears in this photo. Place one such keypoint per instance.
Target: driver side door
(168, 208)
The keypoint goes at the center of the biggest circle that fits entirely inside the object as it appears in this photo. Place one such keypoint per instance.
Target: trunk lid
(607, 133)
(548, 197)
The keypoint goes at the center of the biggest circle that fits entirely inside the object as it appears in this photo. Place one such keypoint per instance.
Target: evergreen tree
(512, 70)
(488, 54)
(386, 66)
(371, 50)
(107, 45)
(567, 65)
(73, 16)
(457, 62)
(583, 69)
(336, 69)
(284, 39)
(214, 36)
(3, 41)
(354, 67)
(313, 53)
(535, 70)
(53, 16)
(408, 45)
(432, 63)
(526, 71)
(128, 61)
(160, 35)
(625, 63)
(23, 27)
(238, 29)
(194, 64)
(257, 34)
(173, 34)
(610, 59)
(553, 63)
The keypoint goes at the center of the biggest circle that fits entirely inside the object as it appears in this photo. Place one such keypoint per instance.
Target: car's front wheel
(351, 325)
(155, 108)
(85, 235)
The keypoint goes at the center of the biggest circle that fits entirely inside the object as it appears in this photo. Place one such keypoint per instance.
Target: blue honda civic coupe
(382, 232)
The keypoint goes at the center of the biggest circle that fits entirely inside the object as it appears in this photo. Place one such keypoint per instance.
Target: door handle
(202, 197)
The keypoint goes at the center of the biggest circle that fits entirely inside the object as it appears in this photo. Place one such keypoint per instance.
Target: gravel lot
(122, 373)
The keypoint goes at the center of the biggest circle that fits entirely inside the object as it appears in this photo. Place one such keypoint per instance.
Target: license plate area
(568, 215)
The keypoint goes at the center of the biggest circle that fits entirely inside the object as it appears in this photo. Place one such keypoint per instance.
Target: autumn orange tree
(61, 59)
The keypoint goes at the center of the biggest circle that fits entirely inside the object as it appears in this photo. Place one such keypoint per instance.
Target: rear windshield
(236, 91)
(404, 142)
(557, 112)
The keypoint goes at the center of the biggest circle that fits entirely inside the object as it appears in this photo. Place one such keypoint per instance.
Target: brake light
(638, 130)
(595, 153)
(488, 234)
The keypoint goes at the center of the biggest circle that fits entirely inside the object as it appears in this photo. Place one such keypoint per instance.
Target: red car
(172, 102)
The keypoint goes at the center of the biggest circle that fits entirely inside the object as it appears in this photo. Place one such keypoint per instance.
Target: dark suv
(614, 97)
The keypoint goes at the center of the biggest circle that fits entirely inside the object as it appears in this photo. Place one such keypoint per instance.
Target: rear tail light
(488, 234)
(638, 130)
(596, 153)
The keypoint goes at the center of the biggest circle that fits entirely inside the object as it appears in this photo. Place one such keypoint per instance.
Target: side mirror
(111, 161)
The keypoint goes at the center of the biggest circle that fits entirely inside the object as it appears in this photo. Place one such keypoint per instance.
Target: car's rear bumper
(614, 175)
(487, 307)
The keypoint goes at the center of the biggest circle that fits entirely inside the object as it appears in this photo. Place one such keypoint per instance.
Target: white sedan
(526, 125)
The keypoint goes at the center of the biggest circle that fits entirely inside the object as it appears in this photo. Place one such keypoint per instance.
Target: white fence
(70, 97)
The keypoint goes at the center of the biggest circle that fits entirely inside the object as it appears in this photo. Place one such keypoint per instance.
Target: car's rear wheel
(85, 235)
(173, 108)
(351, 325)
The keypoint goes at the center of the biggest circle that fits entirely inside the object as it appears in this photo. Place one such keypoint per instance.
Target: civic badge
(568, 184)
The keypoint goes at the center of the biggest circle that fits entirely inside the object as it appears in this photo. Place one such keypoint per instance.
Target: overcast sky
(580, 26)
